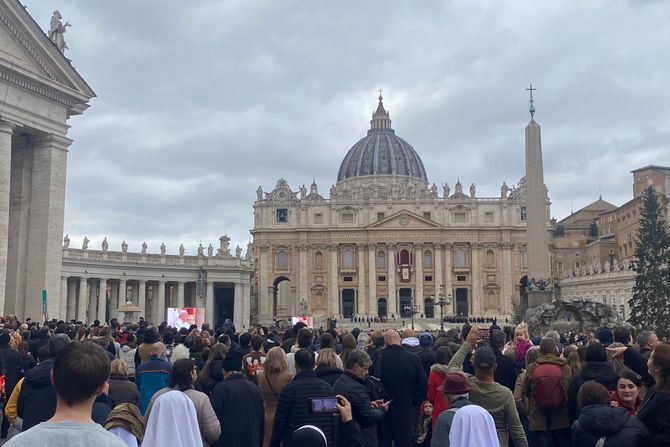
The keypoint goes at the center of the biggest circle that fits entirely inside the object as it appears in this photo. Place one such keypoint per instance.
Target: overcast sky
(199, 102)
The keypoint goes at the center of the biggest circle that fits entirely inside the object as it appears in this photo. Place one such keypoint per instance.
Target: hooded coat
(601, 372)
(615, 424)
(37, 401)
(436, 397)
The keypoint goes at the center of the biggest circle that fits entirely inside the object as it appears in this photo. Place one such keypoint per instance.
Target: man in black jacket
(37, 401)
(505, 373)
(238, 405)
(10, 363)
(405, 381)
(293, 408)
(352, 385)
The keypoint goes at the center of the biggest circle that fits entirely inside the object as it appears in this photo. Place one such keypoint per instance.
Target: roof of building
(381, 152)
(583, 217)
(656, 167)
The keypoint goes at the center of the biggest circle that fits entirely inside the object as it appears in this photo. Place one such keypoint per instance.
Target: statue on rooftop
(105, 245)
(144, 248)
(210, 250)
(504, 189)
(84, 246)
(181, 250)
(57, 31)
(201, 250)
(66, 241)
(124, 247)
(259, 193)
(238, 252)
(473, 190)
(163, 248)
(446, 190)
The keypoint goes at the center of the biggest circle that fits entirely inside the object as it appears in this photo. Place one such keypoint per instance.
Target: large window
(348, 259)
(524, 214)
(459, 258)
(282, 215)
(282, 260)
(381, 260)
(428, 259)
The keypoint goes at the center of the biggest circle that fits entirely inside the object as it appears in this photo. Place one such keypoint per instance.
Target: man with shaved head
(405, 381)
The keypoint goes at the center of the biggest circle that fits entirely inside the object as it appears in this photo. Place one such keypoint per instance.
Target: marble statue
(57, 31)
(163, 248)
(332, 192)
(181, 250)
(105, 245)
(247, 255)
(259, 193)
(459, 187)
(473, 190)
(224, 244)
(303, 192)
(84, 246)
(504, 189)
(66, 241)
(144, 248)
(124, 247)
(313, 189)
(210, 250)
(238, 252)
(433, 190)
(201, 250)
(446, 190)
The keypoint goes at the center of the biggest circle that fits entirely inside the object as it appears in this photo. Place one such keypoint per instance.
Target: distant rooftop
(656, 167)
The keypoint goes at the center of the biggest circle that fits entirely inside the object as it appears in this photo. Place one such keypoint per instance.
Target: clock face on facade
(282, 195)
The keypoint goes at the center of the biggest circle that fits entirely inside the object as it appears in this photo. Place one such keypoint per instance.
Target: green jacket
(537, 419)
(495, 398)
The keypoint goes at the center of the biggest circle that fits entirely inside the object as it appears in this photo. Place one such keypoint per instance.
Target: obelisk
(539, 287)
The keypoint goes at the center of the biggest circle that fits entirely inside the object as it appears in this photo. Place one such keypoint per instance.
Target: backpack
(547, 387)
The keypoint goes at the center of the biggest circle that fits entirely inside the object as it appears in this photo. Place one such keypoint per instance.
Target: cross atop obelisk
(532, 101)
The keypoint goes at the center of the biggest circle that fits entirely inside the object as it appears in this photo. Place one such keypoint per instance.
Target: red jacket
(436, 397)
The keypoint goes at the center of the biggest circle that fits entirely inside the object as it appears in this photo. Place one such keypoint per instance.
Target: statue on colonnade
(105, 245)
(57, 31)
(84, 245)
(66, 241)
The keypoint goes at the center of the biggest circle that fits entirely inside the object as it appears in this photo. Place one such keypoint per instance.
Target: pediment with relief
(30, 59)
(404, 220)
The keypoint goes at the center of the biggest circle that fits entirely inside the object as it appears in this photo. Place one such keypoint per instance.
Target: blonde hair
(522, 328)
(119, 368)
(327, 357)
(275, 361)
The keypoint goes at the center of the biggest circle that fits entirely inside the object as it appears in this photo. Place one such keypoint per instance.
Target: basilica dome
(381, 152)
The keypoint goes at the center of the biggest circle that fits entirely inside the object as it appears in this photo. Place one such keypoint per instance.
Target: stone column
(418, 279)
(159, 309)
(238, 310)
(507, 284)
(119, 299)
(209, 304)
(62, 311)
(476, 295)
(439, 273)
(392, 307)
(180, 294)
(92, 300)
(102, 301)
(303, 276)
(45, 228)
(448, 278)
(334, 308)
(362, 301)
(83, 296)
(72, 301)
(264, 286)
(246, 299)
(6, 130)
(372, 280)
(142, 298)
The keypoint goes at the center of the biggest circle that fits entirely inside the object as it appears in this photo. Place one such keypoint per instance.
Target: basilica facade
(385, 242)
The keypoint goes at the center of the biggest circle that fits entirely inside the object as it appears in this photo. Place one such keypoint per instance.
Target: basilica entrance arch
(277, 289)
(405, 295)
(348, 303)
(382, 307)
(462, 305)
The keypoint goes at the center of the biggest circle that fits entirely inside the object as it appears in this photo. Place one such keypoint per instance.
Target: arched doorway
(348, 303)
(276, 295)
(429, 307)
(382, 307)
(405, 298)
(462, 307)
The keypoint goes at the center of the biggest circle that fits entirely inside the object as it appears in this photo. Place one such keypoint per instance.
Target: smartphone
(483, 334)
(321, 405)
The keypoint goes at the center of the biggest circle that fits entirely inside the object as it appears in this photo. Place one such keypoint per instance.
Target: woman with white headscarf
(172, 422)
(472, 425)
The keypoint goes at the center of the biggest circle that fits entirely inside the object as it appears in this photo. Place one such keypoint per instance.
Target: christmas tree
(650, 304)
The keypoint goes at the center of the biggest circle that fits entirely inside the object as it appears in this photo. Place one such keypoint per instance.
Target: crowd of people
(138, 384)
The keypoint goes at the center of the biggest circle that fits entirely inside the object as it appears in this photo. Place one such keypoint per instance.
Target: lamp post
(412, 308)
(443, 302)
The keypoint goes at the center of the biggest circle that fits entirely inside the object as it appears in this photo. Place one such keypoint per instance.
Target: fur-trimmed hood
(439, 368)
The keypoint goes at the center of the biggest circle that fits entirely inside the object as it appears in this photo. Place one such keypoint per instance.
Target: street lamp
(413, 309)
(443, 302)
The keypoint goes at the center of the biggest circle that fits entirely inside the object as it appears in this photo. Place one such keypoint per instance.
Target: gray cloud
(200, 102)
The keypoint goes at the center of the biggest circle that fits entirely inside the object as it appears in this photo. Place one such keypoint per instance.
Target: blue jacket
(151, 376)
